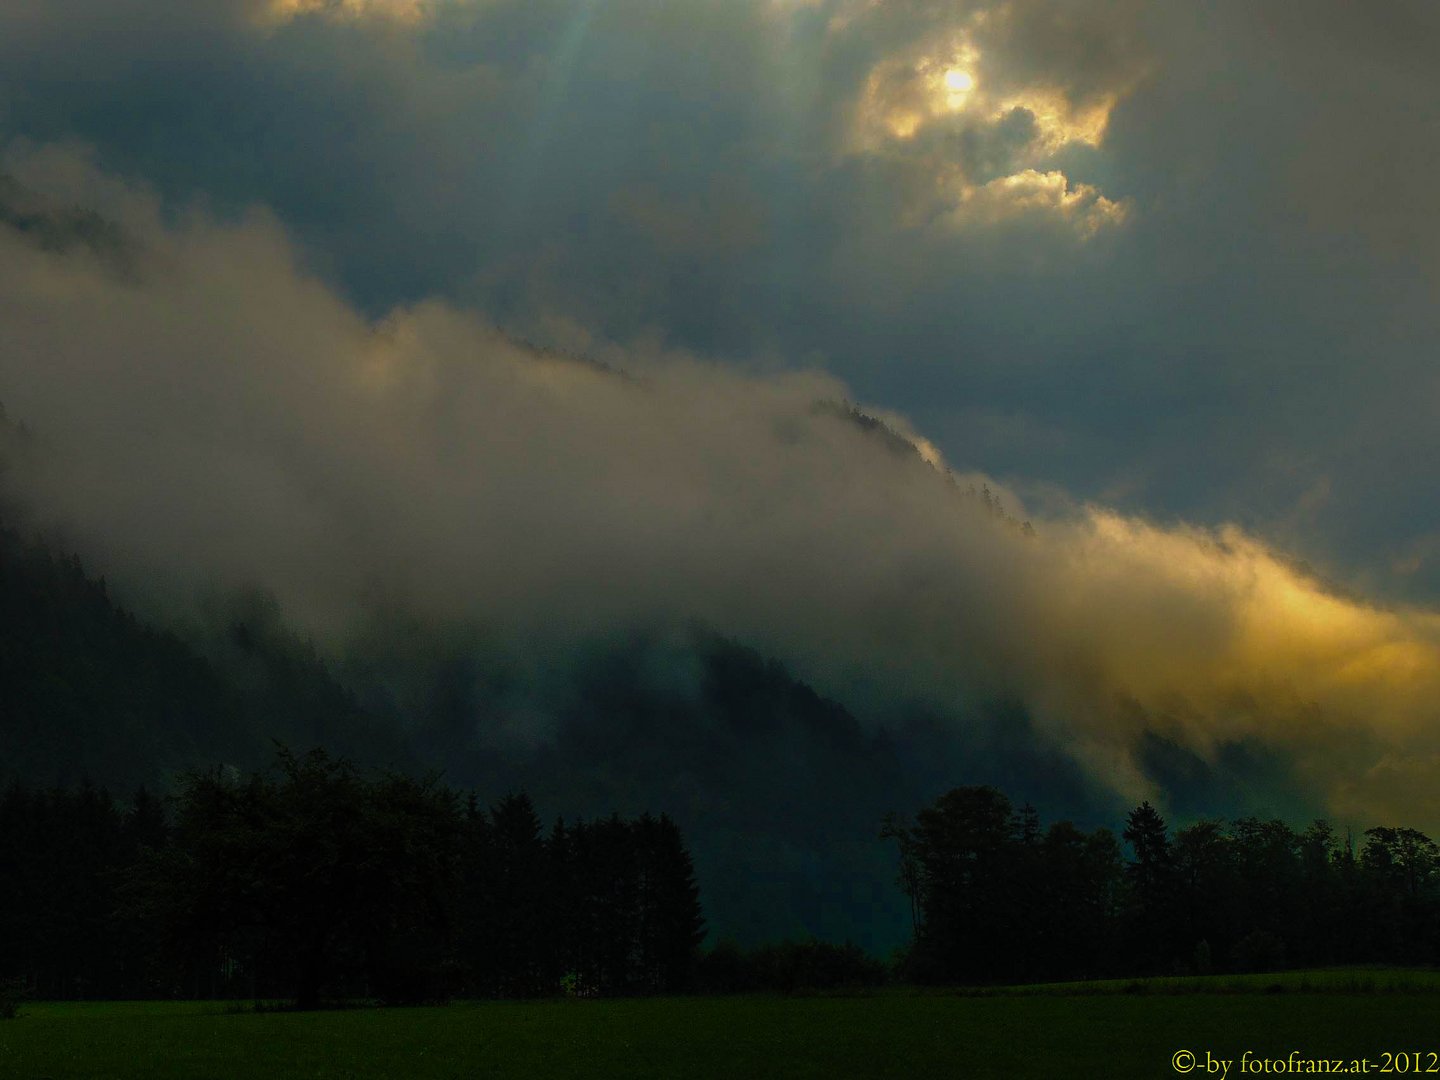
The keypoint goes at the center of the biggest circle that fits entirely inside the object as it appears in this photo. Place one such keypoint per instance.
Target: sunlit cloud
(404, 11)
(1210, 638)
(1057, 121)
(1030, 192)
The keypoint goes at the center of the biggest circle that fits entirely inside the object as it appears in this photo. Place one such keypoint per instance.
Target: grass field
(1108, 1030)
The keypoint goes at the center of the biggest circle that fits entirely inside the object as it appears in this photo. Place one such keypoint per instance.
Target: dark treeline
(999, 898)
(317, 880)
(788, 967)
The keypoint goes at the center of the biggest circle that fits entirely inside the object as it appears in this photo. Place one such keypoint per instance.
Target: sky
(545, 315)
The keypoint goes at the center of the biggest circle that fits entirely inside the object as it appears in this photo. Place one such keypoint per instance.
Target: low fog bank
(208, 418)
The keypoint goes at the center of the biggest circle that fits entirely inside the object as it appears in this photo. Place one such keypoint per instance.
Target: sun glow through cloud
(959, 82)
(930, 96)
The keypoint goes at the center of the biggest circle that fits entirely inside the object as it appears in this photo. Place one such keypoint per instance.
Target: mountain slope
(89, 691)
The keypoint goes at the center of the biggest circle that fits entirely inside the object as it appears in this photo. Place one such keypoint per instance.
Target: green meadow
(1121, 1029)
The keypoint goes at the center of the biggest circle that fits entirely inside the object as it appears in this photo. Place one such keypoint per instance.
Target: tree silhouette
(1149, 913)
(963, 847)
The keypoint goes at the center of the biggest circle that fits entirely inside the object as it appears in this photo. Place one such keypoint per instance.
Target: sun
(959, 81)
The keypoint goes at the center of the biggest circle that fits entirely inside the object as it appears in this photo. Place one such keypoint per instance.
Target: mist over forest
(970, 433)
(739, 599)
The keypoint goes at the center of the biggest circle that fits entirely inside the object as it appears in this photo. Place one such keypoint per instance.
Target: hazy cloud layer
(209, 415)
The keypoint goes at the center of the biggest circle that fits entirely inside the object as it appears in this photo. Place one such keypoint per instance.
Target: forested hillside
(743, 754)
(87, 691)
(778, 788)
